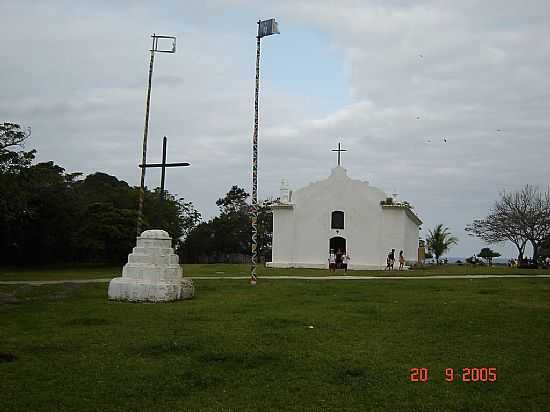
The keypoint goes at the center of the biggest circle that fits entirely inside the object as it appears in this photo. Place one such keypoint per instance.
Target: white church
(341, 213)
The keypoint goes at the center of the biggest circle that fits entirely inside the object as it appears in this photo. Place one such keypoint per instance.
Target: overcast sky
(389, 79)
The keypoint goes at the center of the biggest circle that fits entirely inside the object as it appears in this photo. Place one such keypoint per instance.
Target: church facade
(341, 213)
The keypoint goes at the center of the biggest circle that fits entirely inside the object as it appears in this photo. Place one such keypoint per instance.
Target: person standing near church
(339, 261)
(331, 261)
(391, 260)
(345, 261)
(401, 260)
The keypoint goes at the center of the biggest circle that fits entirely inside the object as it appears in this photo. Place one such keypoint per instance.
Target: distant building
(343, 214)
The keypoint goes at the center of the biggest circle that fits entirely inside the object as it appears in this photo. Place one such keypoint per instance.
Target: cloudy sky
(389, 79)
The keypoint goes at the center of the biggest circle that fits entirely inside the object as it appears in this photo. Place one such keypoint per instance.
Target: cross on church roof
(339, 150)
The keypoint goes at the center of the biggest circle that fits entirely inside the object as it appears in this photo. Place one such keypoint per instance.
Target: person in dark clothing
(390, 260)
(339, 259)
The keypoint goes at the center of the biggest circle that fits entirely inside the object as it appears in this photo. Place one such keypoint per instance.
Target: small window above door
(337, 220)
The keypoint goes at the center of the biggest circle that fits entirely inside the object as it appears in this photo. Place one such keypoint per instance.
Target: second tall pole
(254, 212)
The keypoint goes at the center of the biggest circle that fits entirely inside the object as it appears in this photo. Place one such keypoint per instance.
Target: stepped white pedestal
(153, 273)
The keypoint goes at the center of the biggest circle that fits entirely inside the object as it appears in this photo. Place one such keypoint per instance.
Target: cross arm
(165, 164)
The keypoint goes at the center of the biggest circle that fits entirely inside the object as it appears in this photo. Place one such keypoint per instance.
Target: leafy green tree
(232, 228)
(12, 137)
(519, 216)
(109, 216)
(51, 213)
(170, 213)
(106, 233)
(545, 249)
(188, 215)
(14, 213)
(235, 220)
(488, 254)
(103, 188)
(230, 232)
(234, 201)
(440, 240)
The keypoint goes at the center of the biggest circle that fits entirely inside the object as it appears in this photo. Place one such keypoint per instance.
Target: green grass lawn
(241, 348)
(70, 272)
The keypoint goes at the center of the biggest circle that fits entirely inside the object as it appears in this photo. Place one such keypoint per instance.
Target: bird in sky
(417, 117)
(428, 141)
(445, 139)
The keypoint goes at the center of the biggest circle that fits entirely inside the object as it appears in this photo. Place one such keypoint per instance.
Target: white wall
(401, 233)
(411, 240)
(394, 231)
(283, 230)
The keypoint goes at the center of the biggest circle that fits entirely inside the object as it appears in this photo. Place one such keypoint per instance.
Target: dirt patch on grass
(282, 323)
(89, 322)
(6, 357)
(51, 349)
(353, 376)
(166, 348)
(63, 292)
(9, 299)
(488, 292)
(33, 293)
(198, 381)
(241, 360)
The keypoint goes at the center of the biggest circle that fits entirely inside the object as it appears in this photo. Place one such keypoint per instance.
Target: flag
(267, 28)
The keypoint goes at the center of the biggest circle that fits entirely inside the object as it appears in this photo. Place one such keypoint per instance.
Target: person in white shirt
(332, 261)
(345, 261)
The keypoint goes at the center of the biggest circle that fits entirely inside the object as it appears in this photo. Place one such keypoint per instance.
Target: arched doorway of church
(337, 245)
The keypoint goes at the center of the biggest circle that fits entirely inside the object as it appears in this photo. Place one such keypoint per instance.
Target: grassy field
(284, 345)
(66, 272)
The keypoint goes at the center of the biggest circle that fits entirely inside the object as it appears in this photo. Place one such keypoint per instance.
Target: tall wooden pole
(254, 212)
(145, 132)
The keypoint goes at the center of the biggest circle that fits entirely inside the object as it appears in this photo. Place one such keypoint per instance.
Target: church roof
(408, 209)
(277, 204)
(338, 176)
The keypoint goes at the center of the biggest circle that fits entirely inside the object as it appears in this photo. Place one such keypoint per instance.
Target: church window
(337, 221)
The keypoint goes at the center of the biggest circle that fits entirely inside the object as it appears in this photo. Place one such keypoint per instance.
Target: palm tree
(440, 240)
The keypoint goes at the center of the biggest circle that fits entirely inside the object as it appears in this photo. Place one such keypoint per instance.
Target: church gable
(340, 189)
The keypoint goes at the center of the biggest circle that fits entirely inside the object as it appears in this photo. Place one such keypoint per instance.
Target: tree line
(48, 215)
(226, 237)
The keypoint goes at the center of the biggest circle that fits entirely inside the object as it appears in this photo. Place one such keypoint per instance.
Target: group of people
(338, 260)
(390, 261)
(525, 262)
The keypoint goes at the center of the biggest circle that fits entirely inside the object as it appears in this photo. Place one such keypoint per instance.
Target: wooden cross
(339, 150)
(163, 166)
